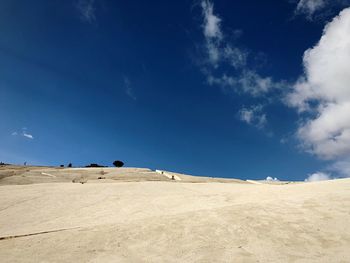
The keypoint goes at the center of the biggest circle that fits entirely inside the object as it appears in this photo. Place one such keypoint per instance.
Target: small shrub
(81, 180)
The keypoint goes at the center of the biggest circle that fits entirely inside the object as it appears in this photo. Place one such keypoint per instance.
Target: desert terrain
(50, 214)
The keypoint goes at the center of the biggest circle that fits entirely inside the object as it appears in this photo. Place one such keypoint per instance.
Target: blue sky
(218, 88)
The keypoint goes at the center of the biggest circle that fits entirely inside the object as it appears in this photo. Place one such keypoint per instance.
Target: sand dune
(137, 215)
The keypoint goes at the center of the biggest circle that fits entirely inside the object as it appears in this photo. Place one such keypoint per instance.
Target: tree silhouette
(118, 163)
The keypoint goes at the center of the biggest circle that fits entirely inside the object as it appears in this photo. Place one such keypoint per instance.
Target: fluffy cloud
(225, 54)
(86, 10)
(253, 116)
(341, 167)
(319, 176)
(269, 178)
(324, 92)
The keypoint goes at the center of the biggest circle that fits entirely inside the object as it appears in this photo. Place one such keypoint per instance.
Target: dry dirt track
(165, 221)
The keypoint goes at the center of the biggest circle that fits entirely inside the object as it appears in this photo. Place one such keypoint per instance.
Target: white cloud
(27, 135)
(269, 178)
(211, 21)
(253, 116)
(324, 92)
(309, 7)
(255, 84)
(248, 81)
(23, 133)
(319, 176)
(319, 8)
(222, 53)
(223, 56)
(86, 10)
(212, 32)
(236, 57)
(341, 167)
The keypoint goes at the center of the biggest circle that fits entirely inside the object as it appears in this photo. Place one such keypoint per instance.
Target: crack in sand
(37, 233)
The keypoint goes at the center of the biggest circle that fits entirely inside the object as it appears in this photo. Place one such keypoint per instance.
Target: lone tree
(118, 163)
(70, 165)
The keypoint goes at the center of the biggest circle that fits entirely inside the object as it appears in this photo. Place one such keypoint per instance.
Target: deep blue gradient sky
(126, 85)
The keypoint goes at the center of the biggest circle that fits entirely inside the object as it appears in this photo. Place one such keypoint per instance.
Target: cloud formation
(253, 116)
(224, 54)
(341, 167)
(324, 92)
(319, 176)
(27, 135)
(270, 179)
(212, 32)
(314, 8)
(86, 10)
(211, 22)
(309, 7)
(321, 95)
(23, 133)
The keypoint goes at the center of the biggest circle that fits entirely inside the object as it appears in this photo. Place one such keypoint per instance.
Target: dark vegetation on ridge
(116, 163)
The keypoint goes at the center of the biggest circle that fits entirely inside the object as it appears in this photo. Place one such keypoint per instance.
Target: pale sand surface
(160, 220)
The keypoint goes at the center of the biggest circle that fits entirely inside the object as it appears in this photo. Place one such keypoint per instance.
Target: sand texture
(138, 215)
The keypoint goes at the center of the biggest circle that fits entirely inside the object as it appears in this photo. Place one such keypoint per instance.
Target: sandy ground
(164, 220)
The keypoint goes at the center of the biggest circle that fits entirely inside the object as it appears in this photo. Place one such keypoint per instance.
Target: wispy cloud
(253, 116)
(318, 8)
(220, 53)
(212, 32)
(212, 22)
(309, 7)
(128, 88)
(227, 65)
(86, 9)
(23, 133)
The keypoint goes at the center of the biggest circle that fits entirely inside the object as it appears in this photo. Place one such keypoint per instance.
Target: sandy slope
(19, 175)
(173, 221)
